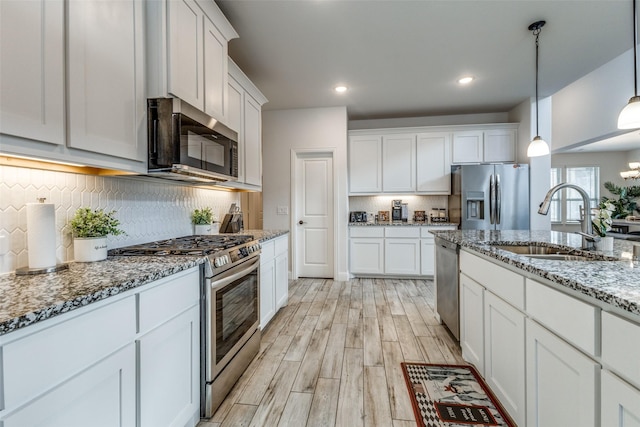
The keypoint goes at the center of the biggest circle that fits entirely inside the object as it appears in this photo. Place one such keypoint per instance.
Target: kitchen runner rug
(452, 395)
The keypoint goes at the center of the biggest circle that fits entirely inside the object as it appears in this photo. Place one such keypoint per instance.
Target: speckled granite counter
(26, 300)
(402, 224)
(616, 283)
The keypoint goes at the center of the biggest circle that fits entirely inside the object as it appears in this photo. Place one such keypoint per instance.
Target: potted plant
(625, 204)
(90, 228)
(602, 222)
(201, 220)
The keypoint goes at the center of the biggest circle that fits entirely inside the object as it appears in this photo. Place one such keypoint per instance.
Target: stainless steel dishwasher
(447, 276)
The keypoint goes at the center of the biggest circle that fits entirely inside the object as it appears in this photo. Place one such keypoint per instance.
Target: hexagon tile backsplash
(147, 209)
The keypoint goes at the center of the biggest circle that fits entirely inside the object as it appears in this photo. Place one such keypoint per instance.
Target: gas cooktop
(187, 245)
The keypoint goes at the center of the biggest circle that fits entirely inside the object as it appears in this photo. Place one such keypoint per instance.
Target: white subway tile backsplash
(147, 210)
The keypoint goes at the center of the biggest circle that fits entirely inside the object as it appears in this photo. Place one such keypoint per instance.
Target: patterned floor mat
(452, 395)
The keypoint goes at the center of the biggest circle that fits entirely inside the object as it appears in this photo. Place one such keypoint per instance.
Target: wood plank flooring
(332, 356)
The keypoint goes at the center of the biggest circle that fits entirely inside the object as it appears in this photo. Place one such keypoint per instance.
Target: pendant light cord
(635, 48)
(536, 33)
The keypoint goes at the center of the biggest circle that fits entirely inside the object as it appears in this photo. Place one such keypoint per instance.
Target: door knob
(301, 222)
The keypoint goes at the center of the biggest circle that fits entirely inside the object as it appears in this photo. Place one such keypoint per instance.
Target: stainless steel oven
(232, 320)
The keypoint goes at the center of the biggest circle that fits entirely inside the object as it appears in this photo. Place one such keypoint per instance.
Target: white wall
(284, 130)
(587, 109)
(463, 119)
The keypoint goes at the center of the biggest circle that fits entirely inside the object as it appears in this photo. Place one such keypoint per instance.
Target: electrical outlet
(282, 210)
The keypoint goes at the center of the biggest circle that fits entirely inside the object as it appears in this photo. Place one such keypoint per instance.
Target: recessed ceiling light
(340, 89)
(465, 80)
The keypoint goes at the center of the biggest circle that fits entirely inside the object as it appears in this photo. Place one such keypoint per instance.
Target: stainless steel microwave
(187, 145)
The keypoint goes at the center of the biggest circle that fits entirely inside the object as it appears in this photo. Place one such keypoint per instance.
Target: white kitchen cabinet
(281, 271)
(504, 355)
(169, 356)
(561, 381)
(399, 163)
(32, 77)
(472, 322)
(620, 404)
(366, 250)
(187, 47)
(140, 369)
(467, 147)
(274, 277)
(245, 117)
(106, 96)
(428, 248)
(433, 163)
(103, 395)
(402, 251)
(365, 164)
(497, 145)
(620, 339)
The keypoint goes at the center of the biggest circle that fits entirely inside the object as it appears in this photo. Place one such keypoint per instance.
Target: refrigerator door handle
(498, 198)
(492, 192)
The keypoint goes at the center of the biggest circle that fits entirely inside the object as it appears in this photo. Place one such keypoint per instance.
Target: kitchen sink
(554, 254)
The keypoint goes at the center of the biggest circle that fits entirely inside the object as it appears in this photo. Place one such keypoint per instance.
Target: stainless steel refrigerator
(490, 197)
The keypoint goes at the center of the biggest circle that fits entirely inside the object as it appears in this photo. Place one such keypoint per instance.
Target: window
(565, 205)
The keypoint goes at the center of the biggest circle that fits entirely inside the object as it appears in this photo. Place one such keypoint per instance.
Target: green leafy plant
(603, 219)
(625, 204)
(202, 216)
(89, 222)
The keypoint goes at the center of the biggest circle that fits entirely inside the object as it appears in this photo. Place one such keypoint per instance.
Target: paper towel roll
(41, 235)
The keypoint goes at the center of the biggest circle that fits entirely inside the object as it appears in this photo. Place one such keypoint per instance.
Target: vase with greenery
(201, 220)
(90, 228)
(625, 204)
(602, 222)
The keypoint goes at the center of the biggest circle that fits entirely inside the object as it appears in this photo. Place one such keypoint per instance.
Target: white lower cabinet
(472, 322)
(274, 277)
(130, 360)
(103, 395)
(504, 356)
(620, 402)
(561, 382)
(402, 256)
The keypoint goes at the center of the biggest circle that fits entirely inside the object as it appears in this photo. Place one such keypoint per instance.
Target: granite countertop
(616, 283)
(402, 224)
(29, 299)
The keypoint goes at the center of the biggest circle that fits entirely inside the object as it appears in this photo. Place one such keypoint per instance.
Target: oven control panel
(236, 254)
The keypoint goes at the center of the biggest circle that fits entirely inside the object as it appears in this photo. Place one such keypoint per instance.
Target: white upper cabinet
(496, 145)
(73, 76)
(433, 163)
(399, 163)
(32, 70)
(365, 164)
(244, 115)
(187, 47)
(107, 101)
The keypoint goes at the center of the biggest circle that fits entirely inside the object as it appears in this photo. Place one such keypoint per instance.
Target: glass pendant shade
(537, 147)
(629, 117)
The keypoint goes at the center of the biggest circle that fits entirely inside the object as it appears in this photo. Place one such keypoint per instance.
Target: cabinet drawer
(281, 245)
(170, 297)
(267, 251)
(570, 318)
(621, 347)
(364, 231)
(502, 282)
(40, 361)
(400, 231)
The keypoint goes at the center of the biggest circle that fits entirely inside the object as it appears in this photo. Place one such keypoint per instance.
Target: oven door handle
(231, 275)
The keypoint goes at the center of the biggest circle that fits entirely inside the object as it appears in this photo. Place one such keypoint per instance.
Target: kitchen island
(557, 340)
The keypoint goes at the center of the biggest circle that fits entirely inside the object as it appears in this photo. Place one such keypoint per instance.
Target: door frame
(295, 153)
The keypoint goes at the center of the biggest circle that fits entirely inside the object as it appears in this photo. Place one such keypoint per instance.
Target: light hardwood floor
(332, 356)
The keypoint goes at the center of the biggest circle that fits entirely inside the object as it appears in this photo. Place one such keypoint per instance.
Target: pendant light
(538, 146)
(629, 117)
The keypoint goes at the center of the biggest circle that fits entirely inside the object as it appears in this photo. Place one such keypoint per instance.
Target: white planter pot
(204, 229)
(90, 249)
(605, 244)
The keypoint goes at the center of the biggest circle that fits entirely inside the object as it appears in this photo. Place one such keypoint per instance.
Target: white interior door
(314, 214)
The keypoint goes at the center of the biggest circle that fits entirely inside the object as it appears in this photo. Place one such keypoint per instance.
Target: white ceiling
(402, 58)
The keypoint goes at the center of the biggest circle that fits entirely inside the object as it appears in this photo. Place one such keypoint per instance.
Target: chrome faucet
(585, 221)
